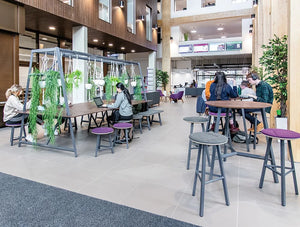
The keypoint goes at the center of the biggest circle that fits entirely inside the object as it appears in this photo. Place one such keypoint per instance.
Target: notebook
(98, 101)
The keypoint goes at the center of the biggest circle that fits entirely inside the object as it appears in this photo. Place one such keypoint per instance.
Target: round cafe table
(242, 105)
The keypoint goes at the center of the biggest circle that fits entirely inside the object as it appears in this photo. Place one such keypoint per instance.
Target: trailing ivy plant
(73, 79)
(123, 78)
(138, 88)
(51, 107)
(35, 101)
(108, 87)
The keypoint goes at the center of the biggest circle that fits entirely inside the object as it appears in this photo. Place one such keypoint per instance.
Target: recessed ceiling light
(110, 44)
(122, 48)
(103, 43)
(44, 38)
(220, 28)
(132, 51)
(95, 40)
(52, 28)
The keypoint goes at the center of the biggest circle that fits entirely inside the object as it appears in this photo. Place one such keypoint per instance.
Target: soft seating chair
(177, 96)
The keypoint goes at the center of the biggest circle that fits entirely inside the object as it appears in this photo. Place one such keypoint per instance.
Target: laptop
(98, 101)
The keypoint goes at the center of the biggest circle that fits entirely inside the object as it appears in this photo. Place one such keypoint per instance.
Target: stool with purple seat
(214, 115)
(12, 132)
(122, 126)
(102, 131)
(282, 135)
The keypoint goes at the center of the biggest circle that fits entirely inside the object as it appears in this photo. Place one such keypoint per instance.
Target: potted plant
(275, 64)
(162, 79)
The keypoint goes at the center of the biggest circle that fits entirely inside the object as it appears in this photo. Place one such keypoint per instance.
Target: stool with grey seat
(192, 121)
(138, 117)
(205, 139)
(102, 131)
(283, 135)
(12, 132)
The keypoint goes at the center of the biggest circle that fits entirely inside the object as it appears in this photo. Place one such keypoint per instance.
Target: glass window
(208, 3)
(180, 5)
(69, 2)
(148, 23)
(105, 10)
(131, 21)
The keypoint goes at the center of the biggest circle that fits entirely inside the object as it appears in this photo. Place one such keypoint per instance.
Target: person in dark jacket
(221, 90)
(264, 93)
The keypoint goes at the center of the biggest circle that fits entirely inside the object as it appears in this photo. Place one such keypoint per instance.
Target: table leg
(245, 130)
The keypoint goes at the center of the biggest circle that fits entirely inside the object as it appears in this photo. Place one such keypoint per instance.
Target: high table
(242, 105)
(76, 110)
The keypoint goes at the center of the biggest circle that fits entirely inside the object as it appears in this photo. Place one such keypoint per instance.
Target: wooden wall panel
(9, 63)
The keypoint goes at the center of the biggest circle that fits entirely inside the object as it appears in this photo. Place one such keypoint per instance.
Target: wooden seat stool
(12, 132)
(192, 121)
(282, 135)
(122, 126)
(205, 139)
(102, 131)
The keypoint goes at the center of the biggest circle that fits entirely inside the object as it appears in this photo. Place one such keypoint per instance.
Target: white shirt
(12, 106)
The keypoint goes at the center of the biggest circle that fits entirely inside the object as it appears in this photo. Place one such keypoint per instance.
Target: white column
(151, 71)
(80, 43)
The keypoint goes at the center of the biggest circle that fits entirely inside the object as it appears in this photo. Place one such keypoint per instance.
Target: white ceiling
(208, 29)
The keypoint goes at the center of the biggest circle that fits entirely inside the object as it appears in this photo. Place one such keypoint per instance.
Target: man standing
(264, 93)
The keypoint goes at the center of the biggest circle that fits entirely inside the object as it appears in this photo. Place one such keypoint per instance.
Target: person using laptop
(123, 102)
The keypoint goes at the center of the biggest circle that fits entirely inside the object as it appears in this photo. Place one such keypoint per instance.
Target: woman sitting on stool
(123, 102)
(221, 90)
(13, 105)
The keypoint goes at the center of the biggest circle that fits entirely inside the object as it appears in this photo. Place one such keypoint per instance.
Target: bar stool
(122, 126)
(283, 135)
(192, 121)
(12, 132)
(102, 131)
(205, 139)
(214, 115)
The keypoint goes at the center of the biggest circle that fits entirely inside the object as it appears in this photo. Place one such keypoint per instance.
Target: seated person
(264, 93)
(221, 90)
(123, 102)
(245, 90)
(13, 105)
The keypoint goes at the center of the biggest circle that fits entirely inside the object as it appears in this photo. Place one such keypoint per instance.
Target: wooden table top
(238, 104)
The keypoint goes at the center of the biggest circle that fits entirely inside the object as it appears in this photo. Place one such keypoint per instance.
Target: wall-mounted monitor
(234, 45)
(203, 47)
(217, 47)
(188, 48)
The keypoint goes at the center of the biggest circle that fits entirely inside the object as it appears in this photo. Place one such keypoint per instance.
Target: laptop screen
(98, 101)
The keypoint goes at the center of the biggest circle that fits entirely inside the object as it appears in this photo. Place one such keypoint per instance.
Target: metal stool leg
(126, 137)
(111, 144)
(97, 145)
(293, 167)
(197, 169)
(263, 172)
(12, 132)
(202, 190)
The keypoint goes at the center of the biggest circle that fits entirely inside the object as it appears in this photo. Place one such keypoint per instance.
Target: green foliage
(275, 63)
(124, 76)
(108, 88)
(35, 99)
(186, 36)
(138, 88)
(73, 79)
(162, 79)
(51, 108)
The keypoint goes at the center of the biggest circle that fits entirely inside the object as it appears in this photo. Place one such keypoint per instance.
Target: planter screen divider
(58, 55)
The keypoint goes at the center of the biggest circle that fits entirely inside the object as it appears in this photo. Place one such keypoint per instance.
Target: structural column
(166, 34)
(80, 43)
(293, 71)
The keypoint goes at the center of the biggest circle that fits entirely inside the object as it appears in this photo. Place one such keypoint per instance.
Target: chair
(122, 126)
(161, 95)
(205, 139)
(102, 131)
(12, 132)
(283, 135)
(177, 96)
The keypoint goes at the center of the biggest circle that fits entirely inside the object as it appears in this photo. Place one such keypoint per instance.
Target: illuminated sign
(234, 45)
(201, 47)
(185, 48)
(217, 47)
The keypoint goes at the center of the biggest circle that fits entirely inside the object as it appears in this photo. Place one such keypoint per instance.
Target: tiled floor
(151, 175)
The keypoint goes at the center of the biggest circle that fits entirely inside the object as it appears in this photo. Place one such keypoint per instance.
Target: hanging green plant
(124, 79)
(35, 101)
(51, 108)
(114, 81)
(73, 79)
(108, 88)
(138, 88)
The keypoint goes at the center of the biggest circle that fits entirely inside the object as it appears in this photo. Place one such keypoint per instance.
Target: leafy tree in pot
(162, 78)
(275, 63)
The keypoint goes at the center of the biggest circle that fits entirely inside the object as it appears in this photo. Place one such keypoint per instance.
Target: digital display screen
(201, 47)
(217, 47)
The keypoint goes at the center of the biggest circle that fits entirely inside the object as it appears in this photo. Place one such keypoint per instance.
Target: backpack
(240, 137)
